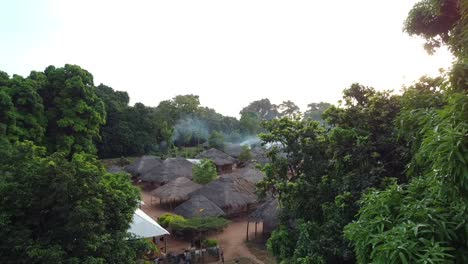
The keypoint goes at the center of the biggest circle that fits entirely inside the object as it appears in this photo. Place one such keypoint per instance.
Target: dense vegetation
(58, 203)
(379, 178)
(204, 172)
(386, 179)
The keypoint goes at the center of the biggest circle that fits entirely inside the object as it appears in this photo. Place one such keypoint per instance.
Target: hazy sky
(228, 52)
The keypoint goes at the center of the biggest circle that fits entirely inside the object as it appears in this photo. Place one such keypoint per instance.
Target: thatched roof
(217, 156)
(233, 150)
(144, 164)
(259, 155)
(178, 189)
(115, 169)
(229, 192)
(267, 213)
(169, 170)
(198, 206)
(250, 173)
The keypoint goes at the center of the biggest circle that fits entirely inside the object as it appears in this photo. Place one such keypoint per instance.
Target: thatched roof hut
(250, 173)
(198, 206)
(176, 190)
(222, 160)
(267, 213)
(169, 170)
(230, 193)
(144, 164)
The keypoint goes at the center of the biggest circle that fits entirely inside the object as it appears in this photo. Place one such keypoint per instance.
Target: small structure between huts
(223, 161)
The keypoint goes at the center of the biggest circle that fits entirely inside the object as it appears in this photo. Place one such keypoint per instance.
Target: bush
(199, 224)
(204, 172)
(167, 219)
(207, 243)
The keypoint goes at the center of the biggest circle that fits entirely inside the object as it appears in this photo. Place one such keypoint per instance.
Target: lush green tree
(250, 124)
(204, 172)
(319, 173)
(315, 111)
(216, 140)
(74, 112)
(424, 221)
(59, 210)
(264, 109)
(289, 109)
(22, 109)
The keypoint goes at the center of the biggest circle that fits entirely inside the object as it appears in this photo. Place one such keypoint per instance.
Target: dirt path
(231, 240)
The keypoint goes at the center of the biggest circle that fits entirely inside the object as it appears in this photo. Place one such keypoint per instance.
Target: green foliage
(208, 243)
(55, 210)
(205, 172)
(263, 108)
(433, 20)
(250, 123)
(216, 140)
(246, 154)
(425, 221)
(74, 112)
(289, 109)
(316, 110)
(417, 223)
(167, 218)
(319, 174)
(179, 223)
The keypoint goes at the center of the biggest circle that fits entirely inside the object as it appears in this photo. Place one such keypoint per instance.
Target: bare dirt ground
(231, 240)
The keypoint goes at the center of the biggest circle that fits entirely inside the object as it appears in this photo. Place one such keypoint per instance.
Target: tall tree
(59, 210)
(315, 111)
(289, 109)
(73, 110)
(263, 108)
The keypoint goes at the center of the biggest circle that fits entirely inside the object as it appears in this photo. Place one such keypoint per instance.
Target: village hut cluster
(232, 194)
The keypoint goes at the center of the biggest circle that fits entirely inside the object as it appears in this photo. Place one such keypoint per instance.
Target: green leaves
(205, 172)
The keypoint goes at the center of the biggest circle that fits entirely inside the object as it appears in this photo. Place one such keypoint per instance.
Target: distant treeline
(62, 109)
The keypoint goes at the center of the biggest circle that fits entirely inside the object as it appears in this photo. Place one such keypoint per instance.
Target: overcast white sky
(227, 52)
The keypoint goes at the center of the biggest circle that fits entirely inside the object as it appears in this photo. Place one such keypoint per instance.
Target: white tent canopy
(145, 227)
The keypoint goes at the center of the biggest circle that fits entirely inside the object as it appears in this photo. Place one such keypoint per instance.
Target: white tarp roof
(194, 161)
(144, 226)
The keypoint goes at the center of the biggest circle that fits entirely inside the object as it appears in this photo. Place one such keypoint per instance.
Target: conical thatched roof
(229, 192)
(217, 156)
(178, 189)
(144, 164)
(198, 206)
(169, 170)
(267, 213)
(250, 173)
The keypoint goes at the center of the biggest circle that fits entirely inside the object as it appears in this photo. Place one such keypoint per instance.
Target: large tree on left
(74, 112)
(59, 210)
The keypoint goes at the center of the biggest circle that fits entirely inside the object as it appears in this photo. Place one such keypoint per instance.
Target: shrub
(167, 219)
(204, 172)
(207, 243)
